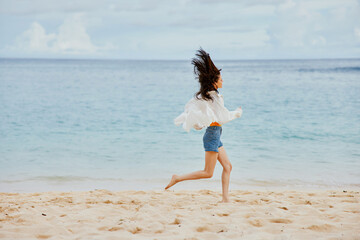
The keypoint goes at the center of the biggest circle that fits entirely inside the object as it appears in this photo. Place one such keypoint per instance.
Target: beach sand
(181, 214)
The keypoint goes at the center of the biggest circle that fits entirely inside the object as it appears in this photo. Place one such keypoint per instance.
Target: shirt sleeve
(195, 115)
(237, 113)
(229, 115)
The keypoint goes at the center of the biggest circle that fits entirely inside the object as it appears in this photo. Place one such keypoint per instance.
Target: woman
(207, 109)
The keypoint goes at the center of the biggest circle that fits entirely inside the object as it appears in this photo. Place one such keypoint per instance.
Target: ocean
(71, 125)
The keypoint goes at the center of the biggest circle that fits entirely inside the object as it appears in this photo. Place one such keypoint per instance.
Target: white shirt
(201, 113)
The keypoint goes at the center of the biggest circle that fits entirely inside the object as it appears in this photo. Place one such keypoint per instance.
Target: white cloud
(171, 29)
(35, 38)
(357, 33)
(71, 38)
(25, 7)
(301, 24)
(318, 41)
(286, 5)
(258, 38)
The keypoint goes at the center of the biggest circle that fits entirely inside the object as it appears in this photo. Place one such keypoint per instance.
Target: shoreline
(181, 214)
(214, 184)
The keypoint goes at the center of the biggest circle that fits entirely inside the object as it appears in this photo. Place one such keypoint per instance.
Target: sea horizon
(165, 59)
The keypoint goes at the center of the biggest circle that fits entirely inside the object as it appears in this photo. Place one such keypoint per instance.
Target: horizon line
(126, 59)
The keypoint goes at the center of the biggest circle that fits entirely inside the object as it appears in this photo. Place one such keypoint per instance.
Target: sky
(174, 30)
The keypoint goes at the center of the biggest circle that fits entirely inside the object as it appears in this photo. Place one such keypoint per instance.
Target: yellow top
(215, 124)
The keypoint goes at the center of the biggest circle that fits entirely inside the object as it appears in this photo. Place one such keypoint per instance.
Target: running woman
(206, 109)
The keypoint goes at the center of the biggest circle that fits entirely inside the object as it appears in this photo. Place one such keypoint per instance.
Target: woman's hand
(198, 127)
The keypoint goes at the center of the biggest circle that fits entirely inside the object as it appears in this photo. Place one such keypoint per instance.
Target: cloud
(25, 7)
(301, 24)
(318, 41)
(357, 33)
(35, 39)
(71, 38)
(244, 2)
(152, 29)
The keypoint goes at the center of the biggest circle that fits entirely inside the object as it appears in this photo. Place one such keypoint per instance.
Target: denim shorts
(211, 138)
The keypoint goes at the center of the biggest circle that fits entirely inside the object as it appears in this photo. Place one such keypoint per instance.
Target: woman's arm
(231, 115)
(236, 113)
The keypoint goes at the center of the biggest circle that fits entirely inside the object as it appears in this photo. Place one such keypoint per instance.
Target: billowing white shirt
(201, 113)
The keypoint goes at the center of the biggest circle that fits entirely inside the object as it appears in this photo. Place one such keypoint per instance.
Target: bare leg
(210, 162)
(225, 177)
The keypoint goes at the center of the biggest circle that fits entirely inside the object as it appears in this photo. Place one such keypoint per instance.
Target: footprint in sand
(280, 220)
(322, 228)
(284, 208)
(256, 223)
(202, 229)
(43, 236)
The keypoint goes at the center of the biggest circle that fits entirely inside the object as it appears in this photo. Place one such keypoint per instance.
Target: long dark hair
(207, 74)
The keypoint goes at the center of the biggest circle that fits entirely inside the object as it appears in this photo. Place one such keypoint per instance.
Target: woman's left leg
(225, 177)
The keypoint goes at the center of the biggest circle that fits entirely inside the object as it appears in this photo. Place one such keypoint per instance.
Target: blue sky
(159, 29)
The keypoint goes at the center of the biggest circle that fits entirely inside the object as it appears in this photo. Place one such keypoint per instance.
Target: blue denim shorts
(211, 138)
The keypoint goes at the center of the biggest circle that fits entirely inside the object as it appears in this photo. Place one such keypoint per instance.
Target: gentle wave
(60, 179)
(337, 69)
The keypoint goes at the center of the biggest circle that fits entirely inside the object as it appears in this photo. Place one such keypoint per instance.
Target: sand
(181, 214)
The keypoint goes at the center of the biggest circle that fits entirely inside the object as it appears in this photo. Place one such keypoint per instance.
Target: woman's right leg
(210, 162)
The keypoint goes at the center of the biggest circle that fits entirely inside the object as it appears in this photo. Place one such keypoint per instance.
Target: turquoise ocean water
(90, 124)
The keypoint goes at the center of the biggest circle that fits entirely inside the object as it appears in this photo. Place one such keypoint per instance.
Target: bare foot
(172, 181)
(224, 201)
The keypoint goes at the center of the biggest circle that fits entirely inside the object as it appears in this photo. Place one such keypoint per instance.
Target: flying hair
(206, 73)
